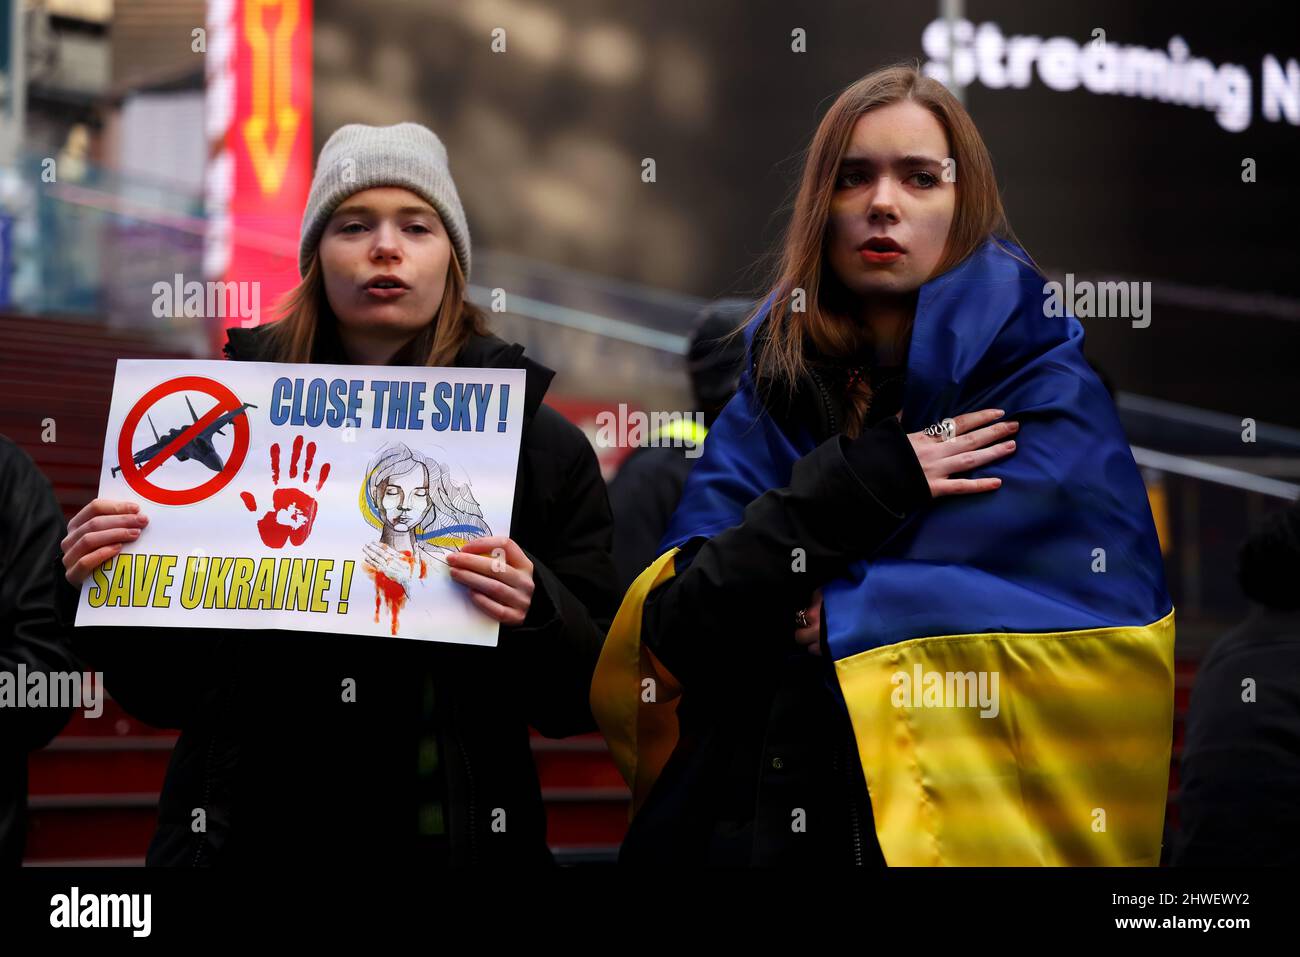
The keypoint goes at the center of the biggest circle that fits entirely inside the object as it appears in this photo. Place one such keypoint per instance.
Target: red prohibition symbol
(137, 476)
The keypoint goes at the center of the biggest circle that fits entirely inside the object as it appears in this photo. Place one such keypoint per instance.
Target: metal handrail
(585, 321)
(1218, 474)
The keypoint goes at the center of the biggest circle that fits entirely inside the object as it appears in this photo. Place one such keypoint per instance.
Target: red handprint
(292, 510)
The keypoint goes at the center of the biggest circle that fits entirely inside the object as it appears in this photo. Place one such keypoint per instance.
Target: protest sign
(305, 497)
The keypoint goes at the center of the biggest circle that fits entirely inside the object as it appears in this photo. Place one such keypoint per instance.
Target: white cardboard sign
(305, 497)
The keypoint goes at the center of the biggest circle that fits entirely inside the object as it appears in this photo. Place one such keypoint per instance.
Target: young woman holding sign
(428, 761)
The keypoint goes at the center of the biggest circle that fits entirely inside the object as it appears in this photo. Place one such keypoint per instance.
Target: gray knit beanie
(360, 157)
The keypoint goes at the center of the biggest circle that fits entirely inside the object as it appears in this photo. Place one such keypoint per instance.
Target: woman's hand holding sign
(97, 533)
(494, 569)
(499, 577)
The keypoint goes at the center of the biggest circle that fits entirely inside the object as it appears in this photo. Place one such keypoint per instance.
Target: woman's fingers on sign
(102, 507)
(502, 548)
(498, 574)
(97, 533)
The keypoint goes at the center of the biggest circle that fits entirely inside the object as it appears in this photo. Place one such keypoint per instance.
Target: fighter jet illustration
(199, 448)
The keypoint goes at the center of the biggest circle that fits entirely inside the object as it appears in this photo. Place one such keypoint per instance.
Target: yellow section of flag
(633, 697)
(1064, 761)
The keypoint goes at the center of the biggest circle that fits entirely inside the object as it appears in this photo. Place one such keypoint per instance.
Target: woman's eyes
(418, 228)
(922, 178)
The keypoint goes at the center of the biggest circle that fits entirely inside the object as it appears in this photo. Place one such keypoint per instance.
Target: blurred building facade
(551, 110)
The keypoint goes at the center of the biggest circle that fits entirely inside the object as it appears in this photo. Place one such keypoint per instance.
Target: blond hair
(300, 312)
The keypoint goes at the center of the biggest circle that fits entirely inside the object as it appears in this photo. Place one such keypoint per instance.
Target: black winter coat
(766, 770)
(644, 494)
(31, 526)
(289, 773)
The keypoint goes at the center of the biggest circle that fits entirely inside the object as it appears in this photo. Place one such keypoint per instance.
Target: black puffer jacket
(766, 770)
(288, 773)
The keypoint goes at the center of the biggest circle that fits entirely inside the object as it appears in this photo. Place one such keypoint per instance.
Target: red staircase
(93, 792)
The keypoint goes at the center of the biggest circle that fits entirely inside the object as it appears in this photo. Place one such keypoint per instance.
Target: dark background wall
(547, 141)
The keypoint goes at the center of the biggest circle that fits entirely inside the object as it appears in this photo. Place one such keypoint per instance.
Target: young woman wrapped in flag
(911, 609)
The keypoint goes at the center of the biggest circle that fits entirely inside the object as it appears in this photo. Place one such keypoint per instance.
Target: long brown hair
(302, 310)
(825, 319)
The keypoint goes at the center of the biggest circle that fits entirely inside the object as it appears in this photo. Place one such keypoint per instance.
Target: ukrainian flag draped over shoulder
(1006, 658)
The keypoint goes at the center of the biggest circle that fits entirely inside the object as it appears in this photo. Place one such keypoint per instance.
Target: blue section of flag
(453, 530)
(1023, 558)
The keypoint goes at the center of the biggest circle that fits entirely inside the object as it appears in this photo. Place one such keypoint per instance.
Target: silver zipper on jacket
(222, 709)
(832, 424)
(855, 821)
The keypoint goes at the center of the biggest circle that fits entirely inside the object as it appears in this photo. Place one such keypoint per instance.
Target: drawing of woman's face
(404, 499)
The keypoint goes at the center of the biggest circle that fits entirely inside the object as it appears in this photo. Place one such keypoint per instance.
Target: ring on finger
(944, 431)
